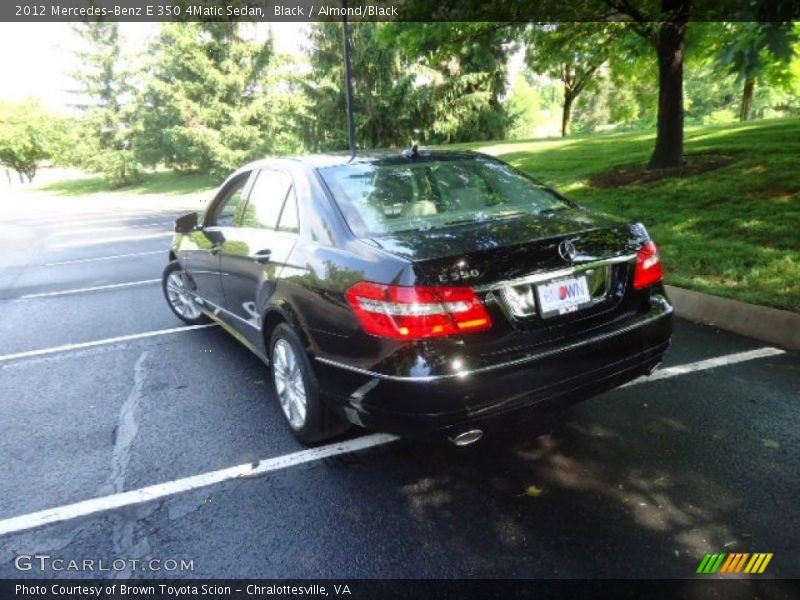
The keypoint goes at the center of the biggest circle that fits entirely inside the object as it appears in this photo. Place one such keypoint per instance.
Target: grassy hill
(729, 224)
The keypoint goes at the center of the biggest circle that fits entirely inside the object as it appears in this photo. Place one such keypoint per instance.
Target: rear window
(382, 198)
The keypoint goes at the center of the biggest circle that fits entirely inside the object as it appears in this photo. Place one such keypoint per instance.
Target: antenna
(351, 124)
(413, 152)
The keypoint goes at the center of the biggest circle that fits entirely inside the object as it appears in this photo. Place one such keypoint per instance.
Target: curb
(778, 327)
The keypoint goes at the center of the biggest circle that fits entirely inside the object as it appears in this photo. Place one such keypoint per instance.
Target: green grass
(162, 182)
(733, 231)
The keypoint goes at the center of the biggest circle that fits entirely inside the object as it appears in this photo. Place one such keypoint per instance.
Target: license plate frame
(563, 296)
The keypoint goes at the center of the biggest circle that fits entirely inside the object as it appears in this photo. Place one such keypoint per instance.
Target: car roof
(334, 159)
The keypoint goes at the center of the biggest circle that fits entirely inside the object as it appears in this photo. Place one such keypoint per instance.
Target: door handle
(262, 256)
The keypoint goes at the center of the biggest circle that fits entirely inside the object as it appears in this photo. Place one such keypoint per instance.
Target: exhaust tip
(466, 438)
(653, 368)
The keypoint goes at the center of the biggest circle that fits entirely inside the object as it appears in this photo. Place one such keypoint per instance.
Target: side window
(226, 214)
(266, 199)
(290, 222)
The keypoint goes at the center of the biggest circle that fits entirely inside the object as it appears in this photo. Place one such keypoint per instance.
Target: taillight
(649, 269)
(417, 312)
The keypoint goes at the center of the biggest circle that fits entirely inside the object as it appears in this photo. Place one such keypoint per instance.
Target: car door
(204, 258)
(253, 253)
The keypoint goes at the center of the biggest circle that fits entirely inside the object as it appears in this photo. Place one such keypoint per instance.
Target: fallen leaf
(532, 490)
(769, 443)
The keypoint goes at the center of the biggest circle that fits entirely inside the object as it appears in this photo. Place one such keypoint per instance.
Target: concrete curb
(777, 327)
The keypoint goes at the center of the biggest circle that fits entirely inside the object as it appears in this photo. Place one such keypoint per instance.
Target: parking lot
(105, 392)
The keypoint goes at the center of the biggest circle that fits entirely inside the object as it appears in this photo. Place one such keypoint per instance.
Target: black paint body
(414, 386)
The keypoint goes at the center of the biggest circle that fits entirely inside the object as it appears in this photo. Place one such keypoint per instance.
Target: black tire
(171, 268)
(321, 421)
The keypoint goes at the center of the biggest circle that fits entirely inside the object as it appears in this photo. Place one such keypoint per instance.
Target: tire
(173, 284)
(294, 381)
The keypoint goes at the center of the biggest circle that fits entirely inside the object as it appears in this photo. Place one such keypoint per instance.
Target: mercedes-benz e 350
(419, 291)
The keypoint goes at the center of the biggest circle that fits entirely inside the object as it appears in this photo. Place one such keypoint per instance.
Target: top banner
(517, 11)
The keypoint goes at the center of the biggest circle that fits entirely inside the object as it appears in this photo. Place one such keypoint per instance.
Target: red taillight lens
(412, 313)
(649, 269)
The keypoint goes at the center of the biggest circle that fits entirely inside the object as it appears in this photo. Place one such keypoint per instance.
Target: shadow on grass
(163, 183)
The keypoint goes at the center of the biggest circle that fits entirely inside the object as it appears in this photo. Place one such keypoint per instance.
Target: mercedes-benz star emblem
(567, 251)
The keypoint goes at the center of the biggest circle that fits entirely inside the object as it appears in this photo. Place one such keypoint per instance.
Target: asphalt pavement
(640, 482)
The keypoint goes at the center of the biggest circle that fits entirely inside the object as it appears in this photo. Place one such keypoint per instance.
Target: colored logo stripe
(711, 563)
(734, 563)
(758, 563)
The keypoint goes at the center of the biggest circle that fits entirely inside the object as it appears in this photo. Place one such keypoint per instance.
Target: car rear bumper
(569, 372)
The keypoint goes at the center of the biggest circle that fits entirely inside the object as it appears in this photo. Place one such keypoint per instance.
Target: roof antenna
(351, 124)
(412, 152)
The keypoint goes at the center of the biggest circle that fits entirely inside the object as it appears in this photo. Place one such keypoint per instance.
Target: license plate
(563, 296)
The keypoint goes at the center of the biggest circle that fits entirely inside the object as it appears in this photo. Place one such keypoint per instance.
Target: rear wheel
(178, 296)
(309, 418)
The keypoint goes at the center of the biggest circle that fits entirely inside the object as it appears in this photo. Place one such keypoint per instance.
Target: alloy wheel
(289, 383)
(180, 298)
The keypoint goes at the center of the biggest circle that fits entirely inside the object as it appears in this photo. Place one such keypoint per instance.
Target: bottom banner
(357, 589)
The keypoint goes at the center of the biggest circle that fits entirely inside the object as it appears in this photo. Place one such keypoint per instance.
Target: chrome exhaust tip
(466, 438)
(652, 369)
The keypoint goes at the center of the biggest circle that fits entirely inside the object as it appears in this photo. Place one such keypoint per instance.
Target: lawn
(167, 183)
(733, 231)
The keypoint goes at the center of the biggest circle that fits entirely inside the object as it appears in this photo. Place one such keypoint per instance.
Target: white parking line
(65, 232)
(178, 486)
(710, 363)
(99, 258)
(185, 484)
(104, 342)
(97, 288)
(135, 238)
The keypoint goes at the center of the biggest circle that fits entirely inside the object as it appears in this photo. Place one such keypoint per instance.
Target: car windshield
(391, 196)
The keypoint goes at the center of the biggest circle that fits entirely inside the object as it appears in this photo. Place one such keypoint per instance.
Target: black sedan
(419, 291)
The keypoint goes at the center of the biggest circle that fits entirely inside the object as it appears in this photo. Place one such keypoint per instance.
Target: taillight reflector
(649, 269)
(405, 312)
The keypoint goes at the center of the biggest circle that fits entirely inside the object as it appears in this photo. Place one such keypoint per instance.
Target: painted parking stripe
(100, 258)
(133, 238)
(186, 484)
(66, 232)
(97, 288)
(178, 486)
(710, 363)
(103, 342)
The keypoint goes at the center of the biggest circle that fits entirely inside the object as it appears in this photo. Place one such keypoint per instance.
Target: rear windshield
(381, 198)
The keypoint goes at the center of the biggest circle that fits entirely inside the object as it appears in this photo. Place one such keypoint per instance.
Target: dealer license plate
(563, 296)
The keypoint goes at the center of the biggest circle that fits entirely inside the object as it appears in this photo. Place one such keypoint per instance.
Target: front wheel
(296, 387)
(178, 296)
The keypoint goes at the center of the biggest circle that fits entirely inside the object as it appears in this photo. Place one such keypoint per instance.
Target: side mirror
(187, 223)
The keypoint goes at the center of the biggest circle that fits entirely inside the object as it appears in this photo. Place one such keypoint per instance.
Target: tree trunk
(747, 99)
(566, 113)
(670, 47)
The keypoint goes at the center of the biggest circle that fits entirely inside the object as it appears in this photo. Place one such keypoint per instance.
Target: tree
(754, 51)
(524, 109)
(211, 100)
(462, 68)
(104, 95)
(387, 102)
(665, 30)
(572, 53)
(28, 136)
